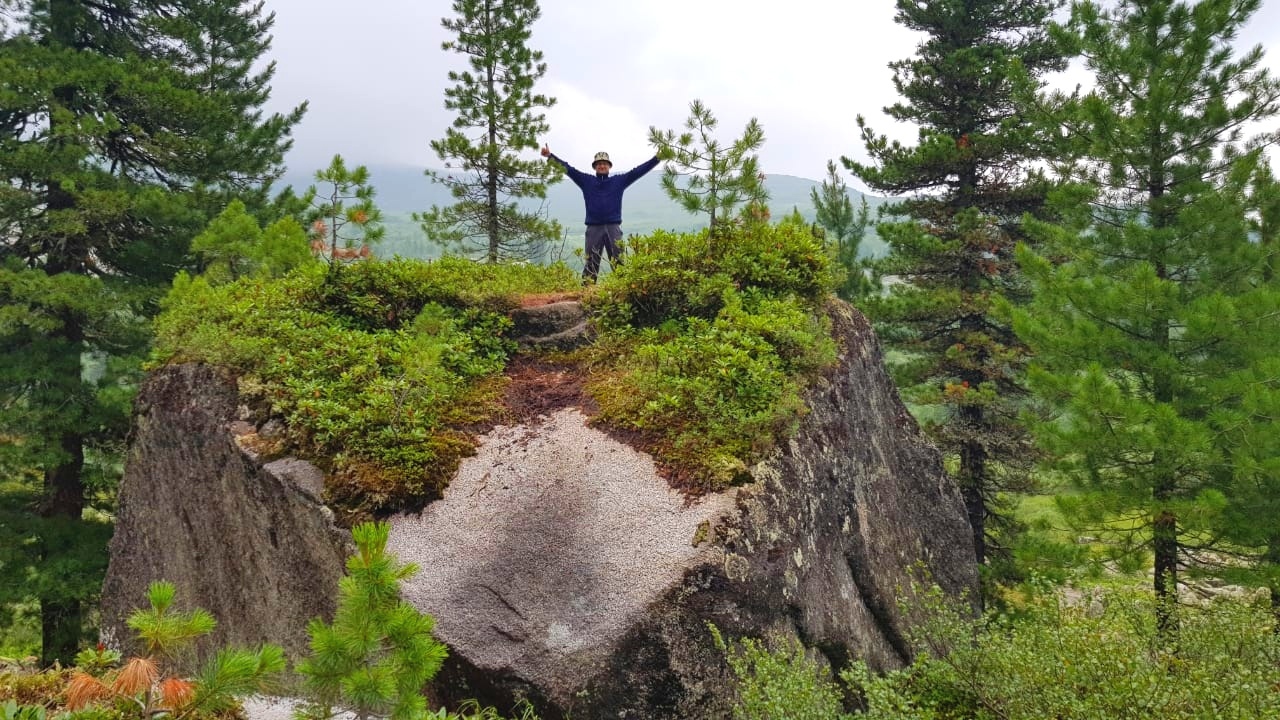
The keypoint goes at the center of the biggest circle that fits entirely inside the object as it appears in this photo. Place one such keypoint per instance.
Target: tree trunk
(973, 467)
(61, 616)
(491, 181)
(1164, 541)
(1271, 557)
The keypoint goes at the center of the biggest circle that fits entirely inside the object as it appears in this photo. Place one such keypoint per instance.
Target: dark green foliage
(1246, 423)
(120, 125)
(377, 366)
(1099, 659)
(720, 177)
(498, 116)
(970, 178)
(378, 653)
(708, 343)
(1155, 316)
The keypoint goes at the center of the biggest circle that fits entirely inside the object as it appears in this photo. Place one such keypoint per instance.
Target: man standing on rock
(602, 193)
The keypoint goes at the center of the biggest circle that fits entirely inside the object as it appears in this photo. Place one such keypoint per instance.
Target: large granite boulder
(249, 541)
(562, 568)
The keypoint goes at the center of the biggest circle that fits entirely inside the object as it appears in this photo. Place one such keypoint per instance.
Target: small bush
(100, 687)
(708, 344)
(671, 275)
(377, 367)
(777, 681)
(389, 294)
(33, 687)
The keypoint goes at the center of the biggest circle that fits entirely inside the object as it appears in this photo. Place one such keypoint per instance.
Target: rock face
(562, 569)
(555, 326)
(249, 542)
(560, 566)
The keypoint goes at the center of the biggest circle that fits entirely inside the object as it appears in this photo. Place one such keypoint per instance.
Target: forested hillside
(402, 191)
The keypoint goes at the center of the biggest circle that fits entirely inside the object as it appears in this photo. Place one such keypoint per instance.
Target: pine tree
(341, 213)
(844, 225)
(1247, 423)
(971, 179)
(378, 653)
(498, 116)
(1156, 310)
(120, 125)
(149, 686)
(720, 178)
(234, 245)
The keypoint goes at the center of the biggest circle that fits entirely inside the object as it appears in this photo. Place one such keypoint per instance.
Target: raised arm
(576, 175)
(639, 171)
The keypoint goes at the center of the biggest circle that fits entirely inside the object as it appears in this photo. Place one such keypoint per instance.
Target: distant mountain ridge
(402, 190)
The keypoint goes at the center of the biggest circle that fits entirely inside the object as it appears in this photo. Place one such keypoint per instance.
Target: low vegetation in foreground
(372, 661)
(1098, 658)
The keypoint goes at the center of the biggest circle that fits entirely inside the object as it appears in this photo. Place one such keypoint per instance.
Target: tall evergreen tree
(120, 124)
(498, 116)
(1158, 311)
(971, 180)
(1246, 421)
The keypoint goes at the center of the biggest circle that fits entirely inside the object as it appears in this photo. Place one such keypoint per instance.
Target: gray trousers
(602, 238)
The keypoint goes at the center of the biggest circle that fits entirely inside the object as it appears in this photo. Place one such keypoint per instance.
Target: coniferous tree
(720, 178)
(148, 685)
(234, 245)
(341, 213)
(970, 179)
(1156, 310)
(379, 652)
(1246, 426)
(499, 114)
(1255, 491)
(120, 125)
(846, 227)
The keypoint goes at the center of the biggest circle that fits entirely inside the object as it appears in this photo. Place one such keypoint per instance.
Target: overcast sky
(375, 75)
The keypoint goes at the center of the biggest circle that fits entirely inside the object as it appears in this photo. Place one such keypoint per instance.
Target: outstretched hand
(545, 152)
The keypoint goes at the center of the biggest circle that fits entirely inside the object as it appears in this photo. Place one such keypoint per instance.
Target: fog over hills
(402, 190)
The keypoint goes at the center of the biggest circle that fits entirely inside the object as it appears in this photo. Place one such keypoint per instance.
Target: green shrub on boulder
(708, 344)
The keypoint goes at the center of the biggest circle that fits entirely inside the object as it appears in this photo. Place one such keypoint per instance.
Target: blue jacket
(603, 193)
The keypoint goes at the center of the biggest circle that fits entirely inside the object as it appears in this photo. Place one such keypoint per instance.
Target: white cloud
(582, 125)
(805, 68)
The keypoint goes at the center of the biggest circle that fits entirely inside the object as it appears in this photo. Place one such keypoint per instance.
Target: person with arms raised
(602, 194)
